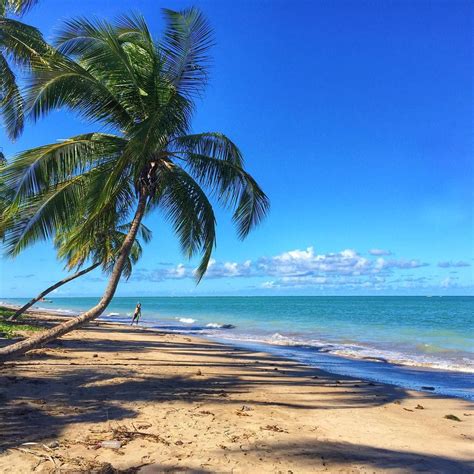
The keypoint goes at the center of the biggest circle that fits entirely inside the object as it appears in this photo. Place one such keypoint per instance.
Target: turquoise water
(380, 338)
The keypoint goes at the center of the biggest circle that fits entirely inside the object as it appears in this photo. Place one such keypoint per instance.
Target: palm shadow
(320, 455)
(94, 390)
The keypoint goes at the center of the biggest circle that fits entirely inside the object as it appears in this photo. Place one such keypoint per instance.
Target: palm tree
(20, 44)
(144, 93)
(3, 191)
(73, 247)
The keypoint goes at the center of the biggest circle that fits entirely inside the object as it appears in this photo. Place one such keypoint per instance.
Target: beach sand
(184, 404)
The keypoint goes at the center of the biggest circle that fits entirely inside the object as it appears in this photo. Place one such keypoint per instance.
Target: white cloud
(401, 264)
(302, 268)
(379, 252)
(229, 269)
(307, 262)
(451, 264)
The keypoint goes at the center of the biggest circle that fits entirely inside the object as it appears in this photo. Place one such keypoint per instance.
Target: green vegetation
(101, 248)
(20, 44)
(10, 330)
(143, 92)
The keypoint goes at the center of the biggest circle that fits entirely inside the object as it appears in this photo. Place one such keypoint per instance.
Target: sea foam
(186, 320)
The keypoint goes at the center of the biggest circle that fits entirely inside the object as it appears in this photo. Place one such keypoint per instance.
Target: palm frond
(187, 41)
(11, 101)
(35, 170)
(188, 209)
(21, 42)
(16, 7)
(39, 217)
(66, 84)
(99, 243)
(217, 163)
(117, 59)
(144, 232)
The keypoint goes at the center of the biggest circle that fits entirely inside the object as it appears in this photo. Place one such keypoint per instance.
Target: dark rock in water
(227, 326)
(427, 388)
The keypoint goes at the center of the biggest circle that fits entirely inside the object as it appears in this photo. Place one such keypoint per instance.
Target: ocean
(412, 342)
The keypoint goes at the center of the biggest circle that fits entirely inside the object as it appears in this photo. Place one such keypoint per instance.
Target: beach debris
(246, 408)
(123, 434)
(452, 417)
(95, 355)
(144, 426)
(407, 409)
(53, 444)
(274, 428)
(41, 455)
(111, 444)
(419, 407)
(199, 372)
(178, 443)
(104, 468)
(427, 387)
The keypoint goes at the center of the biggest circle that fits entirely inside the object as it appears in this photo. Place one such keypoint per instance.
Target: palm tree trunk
(52, 288)
(13, 350)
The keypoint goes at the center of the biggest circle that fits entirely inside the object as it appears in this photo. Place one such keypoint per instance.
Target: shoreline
(410, 376)
(180, 402)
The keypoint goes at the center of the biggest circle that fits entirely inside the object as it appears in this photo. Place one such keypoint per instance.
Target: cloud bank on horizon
(347, 269)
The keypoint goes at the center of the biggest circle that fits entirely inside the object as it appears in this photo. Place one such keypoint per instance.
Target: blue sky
(355, 117)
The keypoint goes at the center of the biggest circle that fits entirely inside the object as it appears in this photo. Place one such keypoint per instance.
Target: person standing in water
(137, 313)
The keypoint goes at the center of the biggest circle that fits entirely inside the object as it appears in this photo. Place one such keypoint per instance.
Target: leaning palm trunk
(52, 288)
(14, 350)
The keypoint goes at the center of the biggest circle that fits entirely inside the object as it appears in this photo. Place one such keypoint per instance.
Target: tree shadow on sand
(35, 404)
(320, 455)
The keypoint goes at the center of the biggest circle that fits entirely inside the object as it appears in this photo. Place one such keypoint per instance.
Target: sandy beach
(180, 403)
